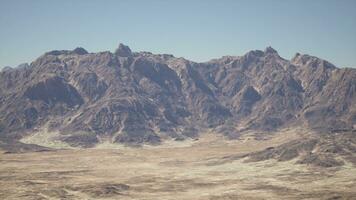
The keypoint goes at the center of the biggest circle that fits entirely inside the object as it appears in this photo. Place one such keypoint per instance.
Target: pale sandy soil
(209, 168)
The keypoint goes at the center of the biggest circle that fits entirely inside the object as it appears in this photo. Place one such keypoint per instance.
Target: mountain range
(83, 99)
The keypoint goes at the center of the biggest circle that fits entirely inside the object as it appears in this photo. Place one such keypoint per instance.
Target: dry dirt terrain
(209, 168)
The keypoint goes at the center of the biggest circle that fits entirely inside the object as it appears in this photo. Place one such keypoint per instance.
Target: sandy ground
(209, 168)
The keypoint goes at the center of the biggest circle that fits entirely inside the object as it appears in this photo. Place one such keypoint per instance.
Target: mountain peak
(270, 50)
(6, 68)
(123, 51)
(80, 51)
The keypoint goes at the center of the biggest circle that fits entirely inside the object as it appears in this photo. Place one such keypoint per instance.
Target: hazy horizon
(198, 31)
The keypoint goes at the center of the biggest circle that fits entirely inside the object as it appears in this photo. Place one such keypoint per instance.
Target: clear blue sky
(197, 30)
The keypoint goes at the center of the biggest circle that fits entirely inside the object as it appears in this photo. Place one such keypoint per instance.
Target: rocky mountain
(139, 97)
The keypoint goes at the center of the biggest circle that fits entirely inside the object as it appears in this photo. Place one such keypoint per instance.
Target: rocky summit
(82, 98)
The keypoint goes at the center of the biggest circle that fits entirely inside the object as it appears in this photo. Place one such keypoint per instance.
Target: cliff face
(131, 97)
